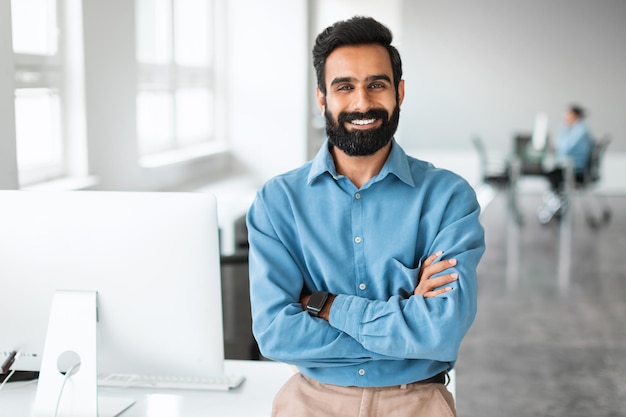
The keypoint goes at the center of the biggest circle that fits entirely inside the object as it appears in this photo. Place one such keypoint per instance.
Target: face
(361, 104)
(570, 117)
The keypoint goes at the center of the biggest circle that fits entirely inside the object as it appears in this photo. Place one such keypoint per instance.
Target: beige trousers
(305, 397)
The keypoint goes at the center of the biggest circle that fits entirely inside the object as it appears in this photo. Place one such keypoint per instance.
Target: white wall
(486, 67)
(267, 74)
(8, 163)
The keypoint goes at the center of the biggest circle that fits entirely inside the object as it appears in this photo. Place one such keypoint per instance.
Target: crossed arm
(430, 319)
(427, 286)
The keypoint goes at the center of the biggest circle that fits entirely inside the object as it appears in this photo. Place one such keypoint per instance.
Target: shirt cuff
(346, 313)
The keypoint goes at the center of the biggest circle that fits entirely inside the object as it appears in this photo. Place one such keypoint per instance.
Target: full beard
(361, 142)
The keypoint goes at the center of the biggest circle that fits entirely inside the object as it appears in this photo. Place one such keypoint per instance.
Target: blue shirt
(311, 229)
(575, 142)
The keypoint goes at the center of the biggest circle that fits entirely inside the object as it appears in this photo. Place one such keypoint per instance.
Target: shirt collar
(397, 164)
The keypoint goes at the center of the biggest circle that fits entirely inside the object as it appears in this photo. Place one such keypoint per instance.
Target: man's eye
(377, 85)
(344, 88)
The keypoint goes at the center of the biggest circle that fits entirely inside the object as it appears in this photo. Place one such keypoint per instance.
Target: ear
(321, 99)
(400, 92)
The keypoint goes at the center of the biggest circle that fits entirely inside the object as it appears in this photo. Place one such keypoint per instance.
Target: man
(363, 261)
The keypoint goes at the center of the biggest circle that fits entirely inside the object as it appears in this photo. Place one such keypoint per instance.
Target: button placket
(358, 242)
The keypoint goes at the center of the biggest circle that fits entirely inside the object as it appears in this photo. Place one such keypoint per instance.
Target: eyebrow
(370, 78)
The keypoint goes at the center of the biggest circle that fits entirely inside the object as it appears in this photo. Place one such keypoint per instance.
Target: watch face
(316, 302)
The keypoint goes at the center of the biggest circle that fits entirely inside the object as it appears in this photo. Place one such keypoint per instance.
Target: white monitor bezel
(153, 258)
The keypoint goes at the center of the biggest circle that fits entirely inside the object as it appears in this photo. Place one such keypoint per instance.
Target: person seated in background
(573, 142)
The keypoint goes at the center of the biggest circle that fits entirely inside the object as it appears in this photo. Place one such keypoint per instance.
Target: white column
(8, 157)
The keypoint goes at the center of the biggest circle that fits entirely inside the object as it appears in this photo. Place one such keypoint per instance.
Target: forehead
(358, 62)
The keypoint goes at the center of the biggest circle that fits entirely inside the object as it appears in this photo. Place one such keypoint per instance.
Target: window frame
(170, 78)
(35, 71)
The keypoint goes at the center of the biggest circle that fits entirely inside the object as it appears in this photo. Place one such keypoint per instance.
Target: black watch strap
(316, 303)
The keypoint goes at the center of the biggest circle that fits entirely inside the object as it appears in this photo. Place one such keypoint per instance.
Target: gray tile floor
(536, 349)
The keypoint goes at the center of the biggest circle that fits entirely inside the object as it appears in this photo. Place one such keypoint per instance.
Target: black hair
(578, 111)
(358, 30)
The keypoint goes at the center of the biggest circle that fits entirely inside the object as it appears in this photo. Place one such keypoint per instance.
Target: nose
(361, 101)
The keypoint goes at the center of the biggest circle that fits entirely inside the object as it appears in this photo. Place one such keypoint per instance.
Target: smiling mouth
(362, 122)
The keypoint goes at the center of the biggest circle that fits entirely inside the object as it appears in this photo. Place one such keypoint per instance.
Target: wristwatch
(316, 302)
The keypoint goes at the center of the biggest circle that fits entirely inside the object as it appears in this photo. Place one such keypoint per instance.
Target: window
(175, 96)
(38, 96)
(37, 121)
(49, 103)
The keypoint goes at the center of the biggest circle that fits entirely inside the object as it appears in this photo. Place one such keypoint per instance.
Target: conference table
(251, 399)
(522, 167)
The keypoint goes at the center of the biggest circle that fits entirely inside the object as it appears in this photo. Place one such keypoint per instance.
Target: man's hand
(433, 287)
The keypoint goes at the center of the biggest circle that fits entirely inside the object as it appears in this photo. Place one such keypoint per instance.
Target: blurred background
(160, 94)
(218, 96)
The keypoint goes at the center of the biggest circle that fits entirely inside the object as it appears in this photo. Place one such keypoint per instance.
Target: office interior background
(128, 95)
(483, 68)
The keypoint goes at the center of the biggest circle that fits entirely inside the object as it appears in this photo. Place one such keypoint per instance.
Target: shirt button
(362, 286)
(357, 196)
(361, 372)
(357, 239)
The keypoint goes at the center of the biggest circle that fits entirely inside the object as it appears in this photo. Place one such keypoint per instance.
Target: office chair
(495, 176)
(493, 168)
(585, 185)
(529, 157)
(239, 342)
(588, 183)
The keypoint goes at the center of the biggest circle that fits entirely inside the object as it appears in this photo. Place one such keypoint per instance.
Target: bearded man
(363, 260)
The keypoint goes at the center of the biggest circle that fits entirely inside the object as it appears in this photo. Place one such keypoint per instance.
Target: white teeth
(363, 122)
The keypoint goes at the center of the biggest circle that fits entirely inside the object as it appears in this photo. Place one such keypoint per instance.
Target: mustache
(346, 117)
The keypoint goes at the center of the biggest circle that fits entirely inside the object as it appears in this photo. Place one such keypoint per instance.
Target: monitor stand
(68, 374)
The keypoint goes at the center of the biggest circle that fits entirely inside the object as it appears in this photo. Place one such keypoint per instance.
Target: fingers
(431, 269)
(431, 287)
(435, 293)
(439, 282)
(435, 286)
(432, 258)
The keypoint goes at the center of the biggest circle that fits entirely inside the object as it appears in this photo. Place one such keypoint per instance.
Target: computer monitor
(152, 258)
(540, 132)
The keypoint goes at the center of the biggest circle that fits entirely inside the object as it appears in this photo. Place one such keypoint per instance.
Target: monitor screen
(540, 132)
(152, 258)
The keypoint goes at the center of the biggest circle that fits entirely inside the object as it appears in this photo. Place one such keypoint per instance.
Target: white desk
(565, 226)
(253, 398)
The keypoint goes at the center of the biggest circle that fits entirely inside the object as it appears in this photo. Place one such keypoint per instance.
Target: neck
(360, 169)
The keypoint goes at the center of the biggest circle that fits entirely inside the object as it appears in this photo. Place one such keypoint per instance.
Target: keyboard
(217, 383)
